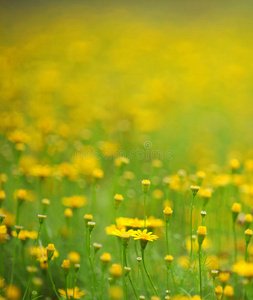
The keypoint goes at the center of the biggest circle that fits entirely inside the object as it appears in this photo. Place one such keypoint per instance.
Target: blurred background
(114, 74)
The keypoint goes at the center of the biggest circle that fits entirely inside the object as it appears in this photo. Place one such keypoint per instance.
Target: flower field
(126, 151)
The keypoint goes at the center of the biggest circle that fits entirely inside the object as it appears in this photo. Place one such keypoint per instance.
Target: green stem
(173, 279)
(200, 278)
(235, 242)
(167, 237)
(14, 259)
(102, 283)
(124, 275)
(213, 288)
(74, 285)
(192, 205)
(246, 251)
(149, 278)
(30, 276)
(66, 287)
(51, 280)
(18, 212)
(168, 279)
(145, 214)
(91, 266)
(93, 197)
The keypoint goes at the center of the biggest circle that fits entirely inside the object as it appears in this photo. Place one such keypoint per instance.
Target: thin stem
(74, 286)
(168, 279)
(200, 278)
(246, 251)
(91, 266)
(129, 275)
(66, 287)
(145, 215)
(173, 279)
(213, 288)
(192, 206)
(235, 242)
(124, 275)
(93, 197)
(149, 278)
(167, 237)
(51, 280)
(30, 276)
(18, 212)
(102, 283)
(14, 259)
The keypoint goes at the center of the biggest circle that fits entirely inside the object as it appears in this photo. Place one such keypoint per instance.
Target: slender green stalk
(93, 196)
(14, 259)
(145, 215)
(235, 243)
(124, 275)
(30, 276)
(200, 275)
(18, 212)
(91, 266)
(74, 285)
(102, 284)
(167, 237)
(192, 206)
(51, 280)
(129, 275)
(246, 251)
(173, 279)
(213, 288)
(66, 287)
(146, 271)
(168, 279)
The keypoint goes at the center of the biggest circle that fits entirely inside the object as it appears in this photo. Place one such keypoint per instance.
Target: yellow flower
(123, 233)
(72, 293)
(228, 291)
(145, 185)
(18, 137)
(98, 173)
(68, 213)
(12, 292)
(195, 189)
(219, 292)
(75, 201)
(158, 194)
(105, 257)
(115, 292)
(74, 257)
(25, 234)
(243, 268)
(248, 218)
(118, 200)
(21, 194)
(130, 223)
(2, 196)
(3, 232)
(42, 171)
(110, 229)
(88, 218)
(116, 270)
(236, 207)
(224, 277)
(154, 223)
(144, 235)
(202, 230)
(66, 264)
(234, 164)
